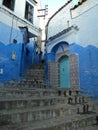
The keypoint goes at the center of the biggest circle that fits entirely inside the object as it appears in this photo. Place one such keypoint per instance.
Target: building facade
(72, 47)
(20, 37)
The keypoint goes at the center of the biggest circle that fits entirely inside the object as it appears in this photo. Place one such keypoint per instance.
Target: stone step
(18, 103)
(38, 66)
(93, 127)
(68, 92)
(21, 87)
(60, 123)
(11, 88)
(39, 113)
(34, 77)
(25, 102)
(22, 92)
(12, 91)
(35, 71)
(35, 114)
(21, 84)
(30, 105)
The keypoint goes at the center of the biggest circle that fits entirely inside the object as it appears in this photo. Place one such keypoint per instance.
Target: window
(29, 10)
(9, 4)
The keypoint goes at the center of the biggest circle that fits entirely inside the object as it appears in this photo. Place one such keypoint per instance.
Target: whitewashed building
(72, 46)
(20, 36)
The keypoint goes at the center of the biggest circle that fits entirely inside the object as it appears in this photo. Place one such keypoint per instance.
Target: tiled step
(61, 123)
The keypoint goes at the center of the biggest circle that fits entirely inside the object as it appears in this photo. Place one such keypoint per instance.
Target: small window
(29, 10)
(9, 4)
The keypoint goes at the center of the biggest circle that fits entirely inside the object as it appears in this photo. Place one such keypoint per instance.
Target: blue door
(64, 72)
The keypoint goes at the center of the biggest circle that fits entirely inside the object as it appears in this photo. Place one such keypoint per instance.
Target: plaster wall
(87, 24)
(59, 21)
(85, 21)
(82, 40)
(16, 56)
(88, 68)
(13, 20)
(68, 38)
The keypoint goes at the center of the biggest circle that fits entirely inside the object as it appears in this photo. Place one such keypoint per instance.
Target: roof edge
(58, 11)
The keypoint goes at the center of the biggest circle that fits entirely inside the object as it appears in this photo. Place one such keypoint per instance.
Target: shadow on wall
(88, 68)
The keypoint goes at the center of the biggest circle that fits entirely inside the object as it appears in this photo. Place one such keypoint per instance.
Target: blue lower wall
(10, 67)
(88, 68)
(14, 69)
(25, 56)
(16, 57)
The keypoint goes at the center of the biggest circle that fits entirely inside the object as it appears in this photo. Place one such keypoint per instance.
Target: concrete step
(37, 66)
(30, 105)
(23, 92)
(35, 71)
(39, 113)
(93, 127)
(60, 123)
(36, 113)
(25, 102)
(27, 77)
(25, 84)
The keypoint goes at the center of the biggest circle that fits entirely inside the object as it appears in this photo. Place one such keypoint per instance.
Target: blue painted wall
(88, 68)
(25, 53)
(7, 34)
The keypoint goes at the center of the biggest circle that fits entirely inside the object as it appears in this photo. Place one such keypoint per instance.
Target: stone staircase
(30, 105)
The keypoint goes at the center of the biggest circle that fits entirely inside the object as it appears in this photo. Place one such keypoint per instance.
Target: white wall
(85, 17)
(1, 2)
(19, 11)
(20, 8)
(59, 21)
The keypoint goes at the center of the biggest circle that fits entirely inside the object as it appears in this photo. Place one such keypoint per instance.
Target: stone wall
(74, 72)
(53, 74)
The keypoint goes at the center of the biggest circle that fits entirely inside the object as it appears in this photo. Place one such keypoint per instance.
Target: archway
(53, 57)
(58, 48)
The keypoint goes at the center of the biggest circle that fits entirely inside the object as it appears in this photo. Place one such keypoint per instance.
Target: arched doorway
(64, 72)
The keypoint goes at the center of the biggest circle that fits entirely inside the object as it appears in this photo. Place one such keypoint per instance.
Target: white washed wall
(19, 11)
(59, 21)
(85, 17)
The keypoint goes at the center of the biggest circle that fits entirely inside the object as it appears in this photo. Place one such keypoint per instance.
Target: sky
(54, 5)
